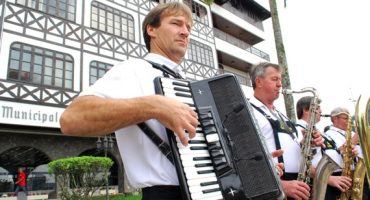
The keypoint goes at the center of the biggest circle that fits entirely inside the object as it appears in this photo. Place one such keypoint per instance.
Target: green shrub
(119, 197)
(79, 177)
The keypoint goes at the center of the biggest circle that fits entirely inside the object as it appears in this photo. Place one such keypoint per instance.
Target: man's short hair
(259, 70)
(303, 104)
(154, 17)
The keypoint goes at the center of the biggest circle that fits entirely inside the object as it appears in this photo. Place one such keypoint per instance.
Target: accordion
(227, 159)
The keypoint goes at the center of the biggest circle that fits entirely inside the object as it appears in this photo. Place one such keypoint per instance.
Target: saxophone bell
(324, 169)
(363, 130)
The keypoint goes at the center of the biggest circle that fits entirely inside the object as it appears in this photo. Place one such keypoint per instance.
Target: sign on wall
(30, 115)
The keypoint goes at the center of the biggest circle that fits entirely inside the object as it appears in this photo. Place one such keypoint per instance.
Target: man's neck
(174, 57)
(305, 118)
(264, 101)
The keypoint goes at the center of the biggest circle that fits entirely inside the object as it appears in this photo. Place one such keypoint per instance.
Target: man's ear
(150, 30)
(258, 82)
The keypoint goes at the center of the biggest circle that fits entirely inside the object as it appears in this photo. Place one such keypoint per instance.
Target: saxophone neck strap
(342, 134)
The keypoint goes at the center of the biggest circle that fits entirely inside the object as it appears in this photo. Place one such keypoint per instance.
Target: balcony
(240, 43)
(242, 79)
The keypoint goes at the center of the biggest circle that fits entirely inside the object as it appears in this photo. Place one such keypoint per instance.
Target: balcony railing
(245, 15)
(244, 80)
(240, 43)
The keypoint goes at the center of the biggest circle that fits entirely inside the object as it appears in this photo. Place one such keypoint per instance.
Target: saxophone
(307, 149)
(347, 158)
(326, 165)
(358, 175)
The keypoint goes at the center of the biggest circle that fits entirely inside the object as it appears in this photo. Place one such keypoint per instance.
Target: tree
(280, 50)
(79, 177)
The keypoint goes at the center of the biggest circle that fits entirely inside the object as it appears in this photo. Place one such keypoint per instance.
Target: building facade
(50, 50)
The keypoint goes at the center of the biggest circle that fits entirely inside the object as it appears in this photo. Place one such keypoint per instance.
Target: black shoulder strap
(166, 71)
(300, 125)
(162, 145)
(276, 136)
(329, 143)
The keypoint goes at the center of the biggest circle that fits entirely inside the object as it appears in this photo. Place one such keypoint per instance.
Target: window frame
(40, 66)
(120, 23)
(46, 6)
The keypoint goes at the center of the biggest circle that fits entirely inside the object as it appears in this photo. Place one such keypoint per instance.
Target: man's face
(341, 121)
(271, 83)
(171, 38)
(317, 113)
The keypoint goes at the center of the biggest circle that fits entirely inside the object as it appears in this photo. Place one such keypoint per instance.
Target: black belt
(161, 192)
(336, 174)
(289, 176)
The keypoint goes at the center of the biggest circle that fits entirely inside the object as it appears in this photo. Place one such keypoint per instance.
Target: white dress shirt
(292, 152)
(144, 163)
(338, 136)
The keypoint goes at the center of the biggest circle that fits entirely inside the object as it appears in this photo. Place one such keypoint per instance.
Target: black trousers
(332, 193)
(366, 192)
(161, 192)
(288, 177)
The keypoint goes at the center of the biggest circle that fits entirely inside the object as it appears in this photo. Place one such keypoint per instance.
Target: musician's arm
(92, 115)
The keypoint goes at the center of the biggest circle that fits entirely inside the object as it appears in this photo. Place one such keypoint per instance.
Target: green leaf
(208, 2)
(79, 177)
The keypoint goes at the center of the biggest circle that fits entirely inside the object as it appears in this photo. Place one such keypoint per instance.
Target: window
(112, 21)
(40, 66)
(97, 70)
(200, 53)
(199, 12)
(65, 9)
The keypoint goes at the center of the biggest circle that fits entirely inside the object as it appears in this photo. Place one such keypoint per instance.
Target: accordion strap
(166, 71)
(162, 145)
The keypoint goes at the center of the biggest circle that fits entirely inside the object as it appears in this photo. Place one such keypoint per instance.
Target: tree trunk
(288, 98)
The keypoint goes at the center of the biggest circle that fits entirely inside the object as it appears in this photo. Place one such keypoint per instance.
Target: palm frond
(208, 2)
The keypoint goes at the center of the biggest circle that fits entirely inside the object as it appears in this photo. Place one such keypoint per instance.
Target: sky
(327, 46)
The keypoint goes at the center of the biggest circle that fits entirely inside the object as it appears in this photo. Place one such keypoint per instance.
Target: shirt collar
(258, 104)
(337, 129)
(302, 122)
(163, 61)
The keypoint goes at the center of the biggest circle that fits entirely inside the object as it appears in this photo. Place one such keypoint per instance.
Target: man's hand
(356, 139)
(178, 117)
(354, 150)
(343, 183)
(296, 189)
(318, 140)
(279, 166)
